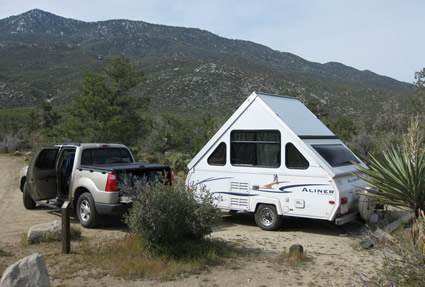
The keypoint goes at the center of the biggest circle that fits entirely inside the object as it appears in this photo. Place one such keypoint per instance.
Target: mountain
(43, 57)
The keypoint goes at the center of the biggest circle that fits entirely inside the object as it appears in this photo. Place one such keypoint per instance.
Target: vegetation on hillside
(106, 110)
(187, 69)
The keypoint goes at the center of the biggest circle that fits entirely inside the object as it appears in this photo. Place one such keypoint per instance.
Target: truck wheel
(86, 211)
(266, 217)
(29, 203)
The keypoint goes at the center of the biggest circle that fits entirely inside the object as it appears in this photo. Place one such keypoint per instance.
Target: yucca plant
(399, 175)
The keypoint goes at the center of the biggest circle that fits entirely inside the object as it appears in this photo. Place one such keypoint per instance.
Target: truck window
(65, 164)
(46, 159)
(218, 156)
(294, 159)
(105, 156)
(256, 148)
(336, 154)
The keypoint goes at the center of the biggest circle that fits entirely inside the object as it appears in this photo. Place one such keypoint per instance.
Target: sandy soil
(335, 256)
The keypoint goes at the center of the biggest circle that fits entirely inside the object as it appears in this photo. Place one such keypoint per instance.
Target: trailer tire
(86, 211)
(267, 218)
(29, 203)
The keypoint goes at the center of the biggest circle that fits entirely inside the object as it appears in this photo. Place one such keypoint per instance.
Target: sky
(384, 36)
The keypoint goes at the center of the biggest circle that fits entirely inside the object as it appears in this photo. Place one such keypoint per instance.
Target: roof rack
(77, 144)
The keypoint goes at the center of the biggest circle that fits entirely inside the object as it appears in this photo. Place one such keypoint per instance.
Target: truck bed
(116, 167)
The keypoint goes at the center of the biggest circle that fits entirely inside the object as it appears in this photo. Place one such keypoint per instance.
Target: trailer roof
(289, 110)
(296, 116)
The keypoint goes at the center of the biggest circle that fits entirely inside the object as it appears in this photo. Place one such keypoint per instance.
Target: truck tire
(266, 217)
(86, 211)
(29, 203)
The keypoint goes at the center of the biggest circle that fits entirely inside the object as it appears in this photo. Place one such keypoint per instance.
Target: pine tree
(104, 111)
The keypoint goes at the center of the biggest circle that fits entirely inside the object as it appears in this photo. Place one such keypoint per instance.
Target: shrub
(166, 214)
(403, 261)
(75, 232)
(399, 174)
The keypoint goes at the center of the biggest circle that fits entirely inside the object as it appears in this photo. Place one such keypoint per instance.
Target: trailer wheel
(29, 203)
(266, 217)
(86, 211)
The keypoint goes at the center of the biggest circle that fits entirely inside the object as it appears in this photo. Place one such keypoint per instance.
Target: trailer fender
(270, 201)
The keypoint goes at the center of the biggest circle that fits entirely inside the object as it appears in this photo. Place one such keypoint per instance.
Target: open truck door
(42, 177)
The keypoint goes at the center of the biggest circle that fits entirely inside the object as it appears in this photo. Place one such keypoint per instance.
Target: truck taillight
(172, 176)
(112, 183)
(344, 200)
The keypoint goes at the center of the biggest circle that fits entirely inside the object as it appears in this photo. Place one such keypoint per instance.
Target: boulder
(29, 271)
(45, 232)
(28, 155)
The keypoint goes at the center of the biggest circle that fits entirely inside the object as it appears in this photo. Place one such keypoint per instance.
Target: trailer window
(218, 157)
(260, 148)
(294, 159)
(336, 154)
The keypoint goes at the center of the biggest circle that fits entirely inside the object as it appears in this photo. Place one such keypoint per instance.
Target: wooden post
(66, 229)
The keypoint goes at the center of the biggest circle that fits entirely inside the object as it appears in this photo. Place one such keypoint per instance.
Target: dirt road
(15, 219)
(334, 251)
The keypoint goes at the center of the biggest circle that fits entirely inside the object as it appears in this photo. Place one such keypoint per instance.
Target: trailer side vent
(239, 202)
(239, 186)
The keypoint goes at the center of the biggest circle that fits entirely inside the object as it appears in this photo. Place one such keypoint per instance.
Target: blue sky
(384, 36)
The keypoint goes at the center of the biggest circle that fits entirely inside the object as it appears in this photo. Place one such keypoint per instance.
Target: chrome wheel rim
(267, 216)
(85, 210)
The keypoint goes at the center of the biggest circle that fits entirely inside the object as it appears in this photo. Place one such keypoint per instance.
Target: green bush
(166, 214)
(399, 173)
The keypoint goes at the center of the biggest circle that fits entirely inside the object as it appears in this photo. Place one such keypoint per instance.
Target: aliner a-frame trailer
(275, 158)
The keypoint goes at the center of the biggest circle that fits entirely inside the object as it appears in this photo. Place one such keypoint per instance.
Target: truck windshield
(336, 154)
(105, 156)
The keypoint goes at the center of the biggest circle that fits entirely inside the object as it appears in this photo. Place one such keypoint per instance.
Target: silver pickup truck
(88, 175)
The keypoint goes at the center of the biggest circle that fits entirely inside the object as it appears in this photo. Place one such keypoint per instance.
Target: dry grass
(126, 258)
(294, 260)
(403, 264)
(129, 258)
(75, 233)
(24, 240)
(4, 253)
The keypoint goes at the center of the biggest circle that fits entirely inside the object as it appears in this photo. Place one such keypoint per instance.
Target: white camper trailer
(275, 158)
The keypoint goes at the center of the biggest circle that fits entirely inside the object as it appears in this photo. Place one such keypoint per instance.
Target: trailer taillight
(172, 176)
(344, 200)
(112, 183)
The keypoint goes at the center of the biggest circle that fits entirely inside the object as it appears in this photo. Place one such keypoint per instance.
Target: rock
(29, 271)
(27, 156)
(374, 218)
(45, 232)
(374, 238)
(296, 250)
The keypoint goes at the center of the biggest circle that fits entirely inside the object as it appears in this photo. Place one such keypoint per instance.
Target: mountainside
(43, 57)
